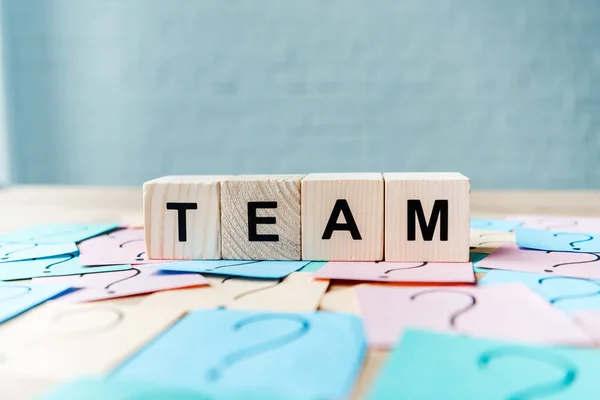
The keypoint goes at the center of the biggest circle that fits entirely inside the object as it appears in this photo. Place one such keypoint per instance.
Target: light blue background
(121, 91)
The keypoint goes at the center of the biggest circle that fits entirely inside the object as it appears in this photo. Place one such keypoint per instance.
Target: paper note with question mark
(496, 225)
(114, 389)
(123, 246)
(56, 233)
(576, 265)
(16, 298)
(245, 268)
(563, 292)
(110, 285)
(541, 239)
(318, 355)
(313, 266)
(475, 369)
(64, 265)
(10, 252)
(487, 241)
(398, 272)
(506, 312)
(554, 223)
(63, 340)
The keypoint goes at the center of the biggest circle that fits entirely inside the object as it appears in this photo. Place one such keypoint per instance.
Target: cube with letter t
(260, 215)
(342, 217)
(427, 217)
(182, 217)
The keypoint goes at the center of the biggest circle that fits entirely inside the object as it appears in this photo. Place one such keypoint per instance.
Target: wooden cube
(342, 217)
(260, 216)
(427, 217)
(182, 217)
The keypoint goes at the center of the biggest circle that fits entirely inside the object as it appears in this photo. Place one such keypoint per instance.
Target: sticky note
(10, 252)
(66, 264)
(250, 269)
(428, 365)
(313, 266)
(562, 292)
(16, 298)
(123, 246)
(476, 258)
(308, 354)
(398, 272)
(504, 312)
(56, 233)
(541, 239)
(110, 285)
(554, 223)
(589, 321)
(487, 241)
(103, 389)
(513, 258)
(497, 225)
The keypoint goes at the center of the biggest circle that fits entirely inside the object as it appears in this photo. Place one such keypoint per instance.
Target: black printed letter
(253, 220)
(341, 206)
(181, 210)
(414, 209)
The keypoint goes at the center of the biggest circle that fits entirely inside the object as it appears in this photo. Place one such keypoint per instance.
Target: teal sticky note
(563, 292)
(248, 269)
(56, 233)
(475, 258)
(10, 252)
(497, 225)
(313, 266)
(306, 354)
(542, 239)
(16, 298)
(433, 366)
(67, 264)
(104, 389)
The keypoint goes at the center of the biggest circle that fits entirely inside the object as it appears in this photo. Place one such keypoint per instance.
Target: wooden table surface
(27, 205)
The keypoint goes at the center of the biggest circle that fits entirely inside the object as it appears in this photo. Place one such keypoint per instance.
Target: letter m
(414, 210)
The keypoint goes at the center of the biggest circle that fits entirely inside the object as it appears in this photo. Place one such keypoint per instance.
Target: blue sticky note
(307, 354)
(562, 292)
(542, 239)
(249, 269)
(67, 264)
(16, 298)
(56, 233)
(498, 225)
(103, 389)
(433, 366)
(313, 266)
(10, 252)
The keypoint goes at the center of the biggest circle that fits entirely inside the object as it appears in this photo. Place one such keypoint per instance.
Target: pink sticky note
(576, 265)
(125, 246)
(109, 285)
(589, 320)
(505, 312)
(398, 272)
(553, 223)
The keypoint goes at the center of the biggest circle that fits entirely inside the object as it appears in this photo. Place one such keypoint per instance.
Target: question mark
(573, 263)
(47, 267)
(385, 274)
(118, 317)
(576, 296)
(137, 257)
(541, 390)
(572, 244)
(483, 235)
(457, 313)
(231, 265)
(107, 288)
(251, 291)
(6, 256)
(215, 373)
(26, 290)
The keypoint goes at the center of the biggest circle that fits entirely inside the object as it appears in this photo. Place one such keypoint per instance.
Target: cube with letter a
(427, 217)
(342, 217)
(182, 217)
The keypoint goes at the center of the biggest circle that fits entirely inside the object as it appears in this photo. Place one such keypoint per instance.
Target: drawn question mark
(572, 244)
(6, 256)
(117, 316)
(483, 235)
(109, 291)
(22, 291)
(215, 373)
(251, 291)
(573, 263)
(138, 257)
(456, 314)
(386, 273)
(541, 390)
(573, 296)
(47, 267)
(231, 265)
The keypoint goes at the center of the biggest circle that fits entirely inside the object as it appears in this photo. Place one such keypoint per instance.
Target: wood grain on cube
(330, 199)
(260, 217)
(202, 234)
(413, 203)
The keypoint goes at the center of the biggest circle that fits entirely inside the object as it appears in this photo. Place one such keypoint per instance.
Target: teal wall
(120, 91)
